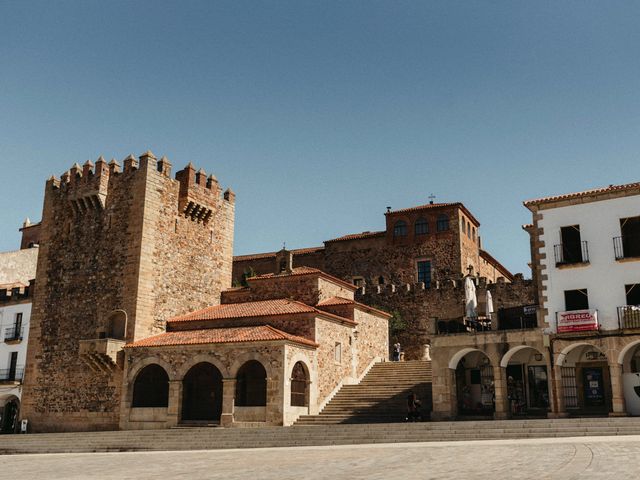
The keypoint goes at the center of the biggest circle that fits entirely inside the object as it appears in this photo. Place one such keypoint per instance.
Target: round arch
(251, 385)
(151, 387)
(202, 393)
(504, 362)
(626, 350)
(569, 348)
(137, 366)
(201, 358)
(453, 363)
(244, 358)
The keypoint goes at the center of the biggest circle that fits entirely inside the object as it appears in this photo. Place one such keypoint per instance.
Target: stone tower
(121, 250)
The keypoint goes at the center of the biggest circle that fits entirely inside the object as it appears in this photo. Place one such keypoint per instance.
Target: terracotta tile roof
(262, 308)
(333, 301)
(258, 256)
(633, 188)
(305, 271)
(489, 258)
(430, 206)
(262, 333)
(357, 236)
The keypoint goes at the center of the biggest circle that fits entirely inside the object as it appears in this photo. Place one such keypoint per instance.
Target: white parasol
(489, 305)
(471, 301)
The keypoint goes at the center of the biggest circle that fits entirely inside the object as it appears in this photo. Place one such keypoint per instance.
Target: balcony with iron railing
(514, 318)
(13, 334)
(629, 316)
(11, 375)
(626, 247)
(567, 254)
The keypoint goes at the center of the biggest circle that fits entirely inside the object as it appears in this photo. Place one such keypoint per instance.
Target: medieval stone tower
(121, 250)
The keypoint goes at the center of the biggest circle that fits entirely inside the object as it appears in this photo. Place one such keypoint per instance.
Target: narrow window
(468, 230)
(630, 229)
(380, 280)
(358, 281)
(424, 272)
(442, 224)
(571, 247)
(633, 294)
(400, 229)
(337, 353)
(576, 300)
(421, 226)
(473, 234)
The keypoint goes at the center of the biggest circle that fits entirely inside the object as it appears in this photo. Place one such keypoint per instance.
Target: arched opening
(400, 229)
(299, 386)
(586, 384)
(117, 325)
(202, 393)
(474, 384)
(10, 414)
(151, 387)
(251, 385)
(527, 381)
(630, 359)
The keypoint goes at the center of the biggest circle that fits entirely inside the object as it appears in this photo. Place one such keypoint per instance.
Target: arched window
(151, 388)
(473, 233)
(468, 230)
(117, 325)
(421, 226)
(299, 386)
(442, 223)
(251, 385)
(400, 229)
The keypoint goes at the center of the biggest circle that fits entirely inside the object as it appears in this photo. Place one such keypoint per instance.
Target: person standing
(396, 352)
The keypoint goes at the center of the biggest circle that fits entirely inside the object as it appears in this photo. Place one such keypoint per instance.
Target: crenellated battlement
(87, 187)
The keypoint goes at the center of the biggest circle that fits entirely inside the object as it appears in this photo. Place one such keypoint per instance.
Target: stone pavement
(562, 458)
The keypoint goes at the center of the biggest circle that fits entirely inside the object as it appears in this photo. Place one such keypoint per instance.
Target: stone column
(558, 393)
(275, 408)
(443, 395)
(617, 392)
(500, 391)
(175, 401)
(228, 400)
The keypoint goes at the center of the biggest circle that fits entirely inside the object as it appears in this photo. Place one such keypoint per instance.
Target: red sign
(577, 321)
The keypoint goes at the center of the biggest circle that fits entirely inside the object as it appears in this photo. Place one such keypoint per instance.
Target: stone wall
(330, 372)
(18, 266)
(263, 263)
(227, 358)
(113, 240)
(373, 339)
(420, 308)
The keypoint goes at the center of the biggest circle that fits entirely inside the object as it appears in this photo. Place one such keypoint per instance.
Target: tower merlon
(130, 164)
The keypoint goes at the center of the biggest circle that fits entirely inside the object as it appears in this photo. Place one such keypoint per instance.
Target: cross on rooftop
(431, 198)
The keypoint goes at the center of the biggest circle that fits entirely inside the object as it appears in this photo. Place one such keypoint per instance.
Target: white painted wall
(7, 319)
(604, 277)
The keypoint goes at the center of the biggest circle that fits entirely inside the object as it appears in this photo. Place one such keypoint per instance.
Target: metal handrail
(11, 375)
(626, 246)
(567, 256)
(629, 316)
(13, 333)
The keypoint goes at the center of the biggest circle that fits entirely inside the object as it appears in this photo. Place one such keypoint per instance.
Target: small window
(421, 226)
(633, 294)
(337, 353)
(358, 281)
(576, 300)
(400, 229)
(442, 224)
(380, 280)
(424, 272)
(468, 230)
(473, 234)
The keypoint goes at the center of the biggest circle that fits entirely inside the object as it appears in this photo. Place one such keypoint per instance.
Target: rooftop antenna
(431, 198)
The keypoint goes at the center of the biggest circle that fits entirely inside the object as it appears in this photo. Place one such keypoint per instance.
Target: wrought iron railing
(626, 246)
(629, 316)
(567, 254)
(11, 374)
(13, 333)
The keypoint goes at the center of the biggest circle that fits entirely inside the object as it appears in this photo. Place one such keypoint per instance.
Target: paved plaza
(562, 458)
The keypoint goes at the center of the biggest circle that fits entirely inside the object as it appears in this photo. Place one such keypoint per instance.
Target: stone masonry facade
(130, 240)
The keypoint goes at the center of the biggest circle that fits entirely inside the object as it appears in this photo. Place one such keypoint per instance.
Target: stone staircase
(316, 435)
(381, 396)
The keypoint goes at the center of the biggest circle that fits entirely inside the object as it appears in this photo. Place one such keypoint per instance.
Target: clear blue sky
(321, 114)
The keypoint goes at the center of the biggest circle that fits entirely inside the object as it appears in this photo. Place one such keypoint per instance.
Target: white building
(586, 250)
(15, 312)
(17, 270)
